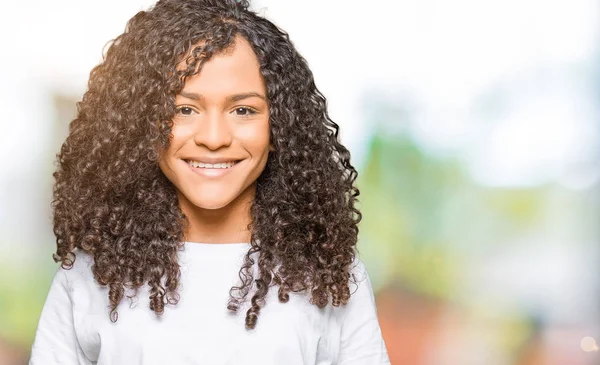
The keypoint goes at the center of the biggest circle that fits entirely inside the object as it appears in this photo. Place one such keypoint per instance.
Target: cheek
(180, 133)
(165, 165)
(179, 136)
(255, 138)
(167, 157)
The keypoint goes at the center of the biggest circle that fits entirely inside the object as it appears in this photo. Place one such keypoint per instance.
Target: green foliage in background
(23, 291)
(424, 218)
(403, 201)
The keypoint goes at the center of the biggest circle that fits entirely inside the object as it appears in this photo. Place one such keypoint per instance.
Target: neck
(223, 225)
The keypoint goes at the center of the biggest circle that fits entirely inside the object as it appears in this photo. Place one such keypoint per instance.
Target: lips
(211, 172)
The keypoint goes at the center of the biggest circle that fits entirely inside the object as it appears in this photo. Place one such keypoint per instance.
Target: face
(220, 135)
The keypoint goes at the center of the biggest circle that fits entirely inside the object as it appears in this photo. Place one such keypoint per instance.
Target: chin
(213, 199)
(210, 204)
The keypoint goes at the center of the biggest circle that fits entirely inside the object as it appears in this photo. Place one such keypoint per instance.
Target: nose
(213, 131)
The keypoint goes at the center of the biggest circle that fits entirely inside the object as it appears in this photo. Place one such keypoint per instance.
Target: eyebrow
(231, 98)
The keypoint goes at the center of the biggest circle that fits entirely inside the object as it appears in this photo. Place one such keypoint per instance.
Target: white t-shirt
(75, 328)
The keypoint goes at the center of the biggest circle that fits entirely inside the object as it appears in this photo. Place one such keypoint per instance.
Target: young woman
(203, 180)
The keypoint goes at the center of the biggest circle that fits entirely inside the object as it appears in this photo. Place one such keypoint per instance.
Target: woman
(202, 173)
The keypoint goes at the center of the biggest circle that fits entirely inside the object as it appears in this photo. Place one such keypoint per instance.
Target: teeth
(224, 165)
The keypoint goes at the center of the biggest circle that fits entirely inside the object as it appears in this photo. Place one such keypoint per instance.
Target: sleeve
(361, 339)
(55, 339)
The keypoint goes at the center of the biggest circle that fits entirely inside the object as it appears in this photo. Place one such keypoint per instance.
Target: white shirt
(74, 327)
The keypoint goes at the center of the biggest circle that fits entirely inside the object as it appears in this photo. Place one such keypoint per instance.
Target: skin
(222, 112)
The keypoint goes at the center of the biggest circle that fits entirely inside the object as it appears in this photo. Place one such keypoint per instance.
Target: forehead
(237, 67)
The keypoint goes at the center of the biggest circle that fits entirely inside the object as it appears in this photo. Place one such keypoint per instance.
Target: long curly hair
(111, 200)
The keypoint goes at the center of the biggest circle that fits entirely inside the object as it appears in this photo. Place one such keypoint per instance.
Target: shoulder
(85, 292)
(361, 304)
(361, 339)
(81, 270)
(65, 281)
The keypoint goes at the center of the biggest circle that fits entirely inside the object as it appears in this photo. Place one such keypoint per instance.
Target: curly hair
(111, 200)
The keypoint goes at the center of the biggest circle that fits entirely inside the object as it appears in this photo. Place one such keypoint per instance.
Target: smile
(211, 170)
(224, 165)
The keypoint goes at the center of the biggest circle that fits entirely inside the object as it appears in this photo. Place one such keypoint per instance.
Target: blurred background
(475, 129)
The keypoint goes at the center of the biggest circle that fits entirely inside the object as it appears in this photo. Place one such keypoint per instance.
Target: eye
(244, 111)
(184, 110)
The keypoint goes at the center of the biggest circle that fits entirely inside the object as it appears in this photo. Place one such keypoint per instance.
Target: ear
(271, 148)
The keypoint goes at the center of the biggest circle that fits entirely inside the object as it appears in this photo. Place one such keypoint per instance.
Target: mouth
(201, 165)
(212, 170)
